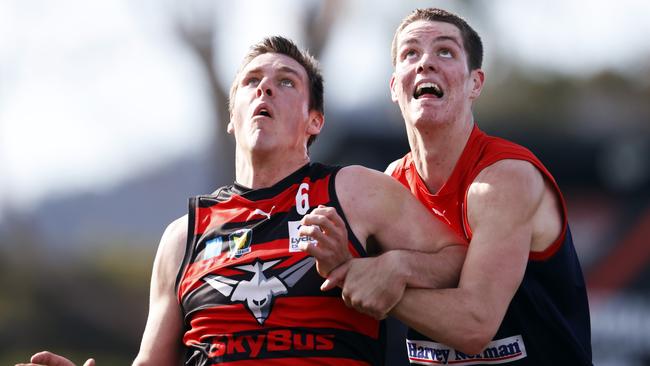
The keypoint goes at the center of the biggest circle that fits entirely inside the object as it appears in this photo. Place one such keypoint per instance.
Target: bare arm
(423, 268)
(379, 208)
(420, 250)
(161, 341)
(503, 206)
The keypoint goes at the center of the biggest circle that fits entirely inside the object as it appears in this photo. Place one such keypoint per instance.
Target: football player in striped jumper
(234, 281)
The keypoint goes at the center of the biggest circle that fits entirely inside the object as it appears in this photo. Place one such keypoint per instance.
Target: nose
(264, 87)
(426, 63)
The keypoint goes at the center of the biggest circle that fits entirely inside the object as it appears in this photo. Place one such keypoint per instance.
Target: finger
(346, 300)
(326, 217)
(316, 238)
(50, 359)
(313, 250)
(312, 231)
(320, 221)
(336, 277)
(331, 214)
(90, 362)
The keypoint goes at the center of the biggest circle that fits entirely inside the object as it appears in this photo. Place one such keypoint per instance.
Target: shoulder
(364, 192)
(398, 166)
(506, 186)
(359, 178)
(172, 244)
(509, 172)
(177, 229)
(494, 149)
(370, 190)
(392, 167)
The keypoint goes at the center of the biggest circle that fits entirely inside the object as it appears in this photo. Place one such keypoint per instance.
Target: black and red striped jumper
(249, 296)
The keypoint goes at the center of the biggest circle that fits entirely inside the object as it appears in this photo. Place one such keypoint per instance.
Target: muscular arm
(503, 206)
(416, 269)
(419, 250)
(424, 251)
(423, 267)
(380, 208)
(161, 341)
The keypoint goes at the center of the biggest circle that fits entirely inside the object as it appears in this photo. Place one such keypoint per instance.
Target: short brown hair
(284, 46)
(471, 40)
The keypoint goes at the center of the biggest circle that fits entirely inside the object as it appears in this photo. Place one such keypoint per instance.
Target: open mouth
(263, 110)
(428, 89)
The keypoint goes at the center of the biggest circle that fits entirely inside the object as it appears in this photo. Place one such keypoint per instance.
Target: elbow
(479, 331)
(474, 343)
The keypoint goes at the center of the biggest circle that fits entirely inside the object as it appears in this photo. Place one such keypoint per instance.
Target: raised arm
(511, 209)
(161, 341)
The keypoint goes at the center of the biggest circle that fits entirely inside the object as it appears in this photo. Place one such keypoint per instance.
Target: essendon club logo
(258, 292)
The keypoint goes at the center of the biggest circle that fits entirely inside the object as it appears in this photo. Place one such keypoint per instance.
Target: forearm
(429, 270)
(161, 345)
(375, 285)
(449, 316)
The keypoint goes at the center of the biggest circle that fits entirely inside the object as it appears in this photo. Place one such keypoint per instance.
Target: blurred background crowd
(112, 114)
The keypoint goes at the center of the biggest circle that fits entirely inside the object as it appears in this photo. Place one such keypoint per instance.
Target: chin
(426, 123)
(262, 147)
(428, 118)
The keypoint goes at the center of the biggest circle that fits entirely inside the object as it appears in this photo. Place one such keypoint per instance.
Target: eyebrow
(414, 40)
(290, 70)
(285, 69)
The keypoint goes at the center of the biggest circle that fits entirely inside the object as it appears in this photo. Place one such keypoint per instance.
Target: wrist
(394, 262)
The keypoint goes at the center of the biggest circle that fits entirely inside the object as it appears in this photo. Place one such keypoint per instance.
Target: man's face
(432, 82)
(271, 107)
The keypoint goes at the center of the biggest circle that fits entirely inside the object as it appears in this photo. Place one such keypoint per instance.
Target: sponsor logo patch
(273, 341)
(295, 238)
(213, 248)
(498, 351)
(239, 243)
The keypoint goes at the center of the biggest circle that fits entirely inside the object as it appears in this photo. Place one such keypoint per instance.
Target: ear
(230, 128)
(316, 122)
(393, 94)
(478, 79)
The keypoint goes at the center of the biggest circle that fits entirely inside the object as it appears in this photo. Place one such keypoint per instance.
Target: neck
(436, 149)
(264, 171)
